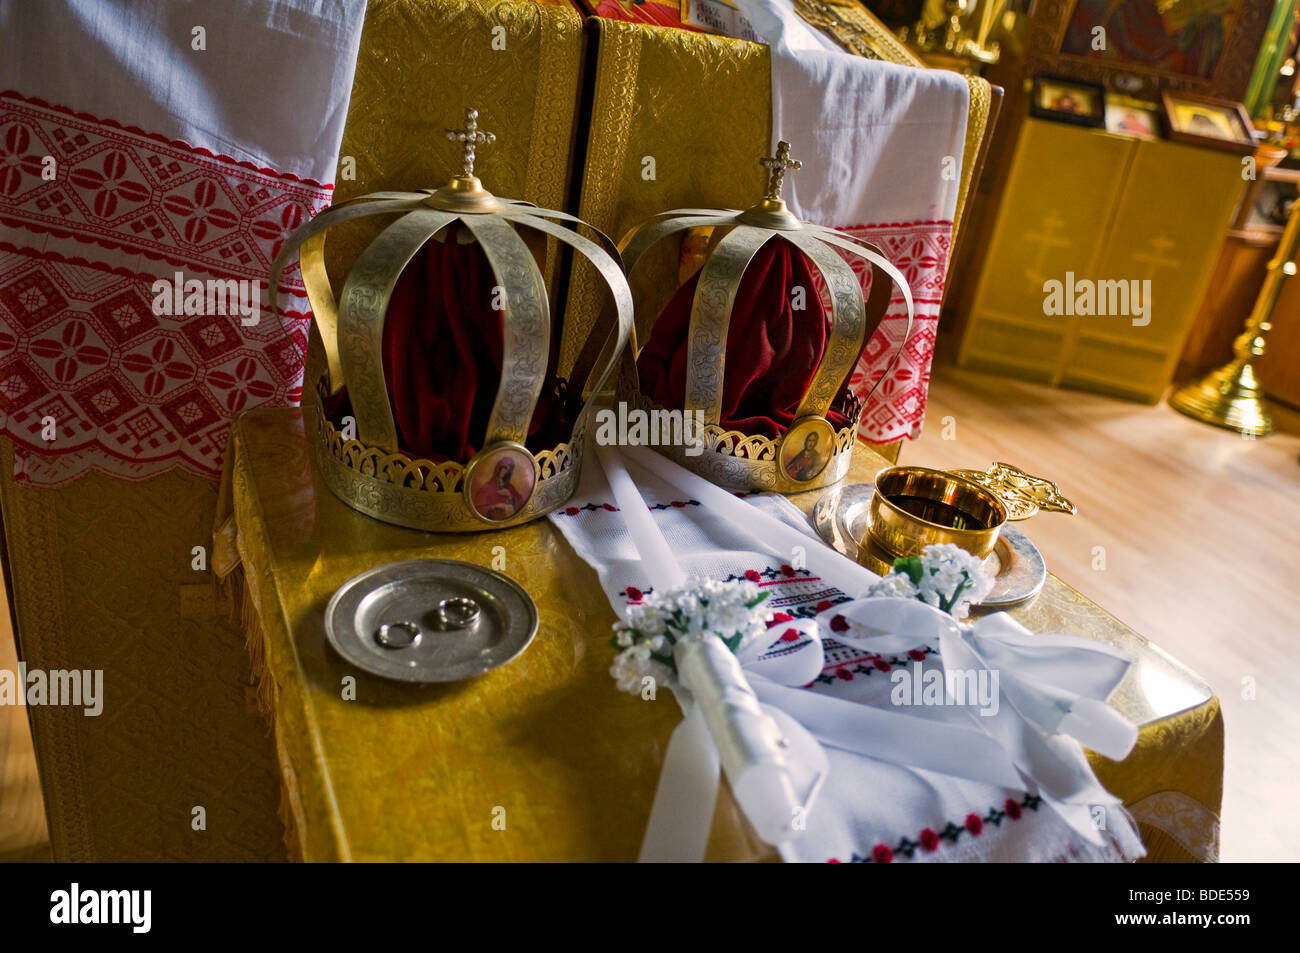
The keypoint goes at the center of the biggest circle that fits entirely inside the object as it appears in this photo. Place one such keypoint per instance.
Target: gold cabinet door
(1064, 182)
(1170, 220)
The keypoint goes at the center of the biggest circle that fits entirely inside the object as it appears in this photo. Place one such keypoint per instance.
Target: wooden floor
(22, 816)
(1200, 531)
(1201, 537)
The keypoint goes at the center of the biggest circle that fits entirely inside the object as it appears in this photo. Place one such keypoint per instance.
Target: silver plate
(843, 516)
(411, 591)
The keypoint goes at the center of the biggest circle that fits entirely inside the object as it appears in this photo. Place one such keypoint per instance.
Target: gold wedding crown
(812, 452)
(504, 483)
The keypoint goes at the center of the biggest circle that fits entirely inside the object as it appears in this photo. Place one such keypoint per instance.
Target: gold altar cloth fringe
(244, 610)
(264, 691)
(247, 590)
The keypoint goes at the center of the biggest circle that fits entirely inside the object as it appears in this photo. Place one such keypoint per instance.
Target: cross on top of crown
(471, 138)
(776, 166)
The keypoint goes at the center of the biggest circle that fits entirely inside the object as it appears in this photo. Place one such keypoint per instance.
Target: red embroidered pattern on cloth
(920, 251)
(131, 392)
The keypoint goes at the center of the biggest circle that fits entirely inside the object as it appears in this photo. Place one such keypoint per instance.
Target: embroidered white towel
(881, 146)
(868, 810)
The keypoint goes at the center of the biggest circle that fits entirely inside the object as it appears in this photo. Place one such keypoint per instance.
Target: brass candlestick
(1231, 397)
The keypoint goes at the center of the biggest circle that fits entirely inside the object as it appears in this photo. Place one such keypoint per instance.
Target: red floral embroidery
(240, 383)
(17, 160)
(72, 351)
(929, 839)
(974, 823)
(881, 854)
(110, 184)
(752, 575)
(200, 212)
(157, 366)
(839, 624)
(1012, 807)
(790, 635)
(636, 595)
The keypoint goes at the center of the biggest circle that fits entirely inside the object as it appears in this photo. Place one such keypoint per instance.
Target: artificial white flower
(700, 609)
(944, 576)
(893, 584)
(632, 666)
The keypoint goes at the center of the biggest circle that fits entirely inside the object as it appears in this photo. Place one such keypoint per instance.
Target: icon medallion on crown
(441, 350)
(751, 344)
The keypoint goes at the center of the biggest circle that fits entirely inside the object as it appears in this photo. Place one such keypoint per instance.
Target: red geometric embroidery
(920, 251)
(135, 393)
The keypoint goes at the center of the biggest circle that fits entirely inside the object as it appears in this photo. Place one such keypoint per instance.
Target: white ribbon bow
(1053, 688)
(731, 736)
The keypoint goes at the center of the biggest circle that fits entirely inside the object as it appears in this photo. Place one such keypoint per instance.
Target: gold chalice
(915, 507)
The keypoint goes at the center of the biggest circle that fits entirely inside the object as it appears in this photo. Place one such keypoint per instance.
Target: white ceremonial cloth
(873, 136)
(145, 142)
(867, 810)
(882, 151)
(270, 87)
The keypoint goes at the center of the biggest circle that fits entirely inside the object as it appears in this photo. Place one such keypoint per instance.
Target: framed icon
(1068, 100)
(1214, 123)
(499, 481)
(1126, 117)
(806, 449)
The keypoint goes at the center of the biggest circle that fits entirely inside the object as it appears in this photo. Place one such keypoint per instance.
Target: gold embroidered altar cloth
(405, 772)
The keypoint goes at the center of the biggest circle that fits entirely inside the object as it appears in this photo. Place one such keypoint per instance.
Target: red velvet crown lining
(773, 349)
(442, 350)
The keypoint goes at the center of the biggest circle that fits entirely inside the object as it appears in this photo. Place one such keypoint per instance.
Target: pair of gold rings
(458, 612)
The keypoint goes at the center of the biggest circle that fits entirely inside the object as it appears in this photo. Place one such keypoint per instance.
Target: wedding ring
(459, 612)
(398, 635)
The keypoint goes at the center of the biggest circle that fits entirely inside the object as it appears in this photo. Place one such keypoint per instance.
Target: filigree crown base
(420, 494)
(751, 462)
